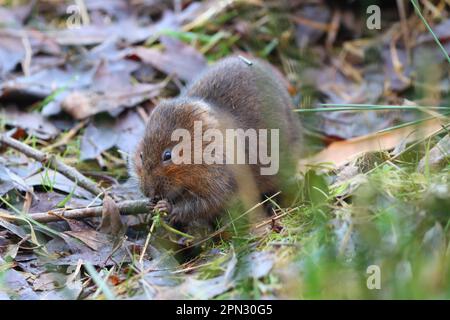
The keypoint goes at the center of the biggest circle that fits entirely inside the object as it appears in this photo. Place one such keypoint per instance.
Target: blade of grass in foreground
(332, 107)
(411, 123)
(101, 283)
(419, 13)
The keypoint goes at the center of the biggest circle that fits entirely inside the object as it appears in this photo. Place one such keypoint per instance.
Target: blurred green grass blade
(23, 217)
(419, 13)
(187, 36)
(329, 107)
(101, 283)
(269, 48)
(364, 105)
(411, 123)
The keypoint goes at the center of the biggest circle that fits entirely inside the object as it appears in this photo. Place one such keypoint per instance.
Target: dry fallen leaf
(178, 59)
(342, 152)
(93, 239)
(54, 180)
(82, 104)
(102, 134)
(34, 123)
(437, 155)
(15, 285)
(111, 223)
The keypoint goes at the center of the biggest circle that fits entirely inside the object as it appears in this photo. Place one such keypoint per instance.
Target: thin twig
(26, 62)
(274, 218)
(404, 24)
(128, 207)
(58, 165)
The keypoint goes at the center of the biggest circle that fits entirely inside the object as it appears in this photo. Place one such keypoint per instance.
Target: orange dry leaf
(342, 152)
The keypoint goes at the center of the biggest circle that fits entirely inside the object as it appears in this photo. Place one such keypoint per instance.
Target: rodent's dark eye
(167, 155)
(141, 154)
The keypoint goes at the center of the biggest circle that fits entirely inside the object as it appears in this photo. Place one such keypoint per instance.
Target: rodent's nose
(157, 198)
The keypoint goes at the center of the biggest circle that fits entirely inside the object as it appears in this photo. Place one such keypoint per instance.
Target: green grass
(332, 107)
(394, 226)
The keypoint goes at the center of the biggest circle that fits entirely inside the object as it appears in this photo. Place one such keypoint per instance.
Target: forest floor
(371, 219)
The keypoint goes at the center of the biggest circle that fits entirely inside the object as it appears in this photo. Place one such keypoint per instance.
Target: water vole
(234, 93)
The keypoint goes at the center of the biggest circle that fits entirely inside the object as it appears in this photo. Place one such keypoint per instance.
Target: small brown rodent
(233, 93)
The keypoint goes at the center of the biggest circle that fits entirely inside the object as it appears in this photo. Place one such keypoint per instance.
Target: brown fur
(229, 94)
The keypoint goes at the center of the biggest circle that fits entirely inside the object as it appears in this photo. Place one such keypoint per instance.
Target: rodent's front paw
(163, 206)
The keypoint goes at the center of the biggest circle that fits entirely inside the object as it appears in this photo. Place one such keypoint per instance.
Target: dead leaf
(12, 50)
(178, 59)
(194, 288)
(82, 104)
(57, 286)
(9, 180)
(102, 134)
(437, 155)
(99, 136)
(311, 23)
(11, 53)
(106, 255)
(49, 281)
(130, 127)
(255, 265)
(339, 89)
(8, 18)
(47, 201)
(128, 30)
(15, 286)
(342, 152)
(16, 15)
(54, 180)
(34, 123)
(442, 31)
(17, 230)
(434, 239)
(21, 164)
(11, 251)
(93, 239)
(47, 81)
(207, 289)
(111, 223)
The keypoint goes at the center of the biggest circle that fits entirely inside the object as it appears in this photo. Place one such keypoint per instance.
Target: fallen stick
(70, 172)
(128, 207)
